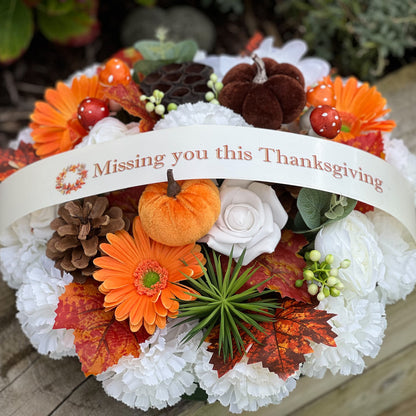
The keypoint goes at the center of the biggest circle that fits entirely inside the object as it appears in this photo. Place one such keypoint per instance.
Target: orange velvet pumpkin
(179, 213)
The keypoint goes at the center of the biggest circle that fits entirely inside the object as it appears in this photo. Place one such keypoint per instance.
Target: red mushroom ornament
(265, 93)
(91, 111)
(322, 121)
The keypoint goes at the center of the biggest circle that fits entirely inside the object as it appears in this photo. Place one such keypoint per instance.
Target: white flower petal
(246, 387)
(359, 324)
(354, 238)
(160, 375)
(37, 300)
(399, 255)
(24, 243)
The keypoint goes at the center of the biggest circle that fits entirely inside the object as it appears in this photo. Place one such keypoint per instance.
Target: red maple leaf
(284, 266)
(11, 160)
(283, 345)
(128, 96)
(371, 143)
(100, 340)
(126, 199)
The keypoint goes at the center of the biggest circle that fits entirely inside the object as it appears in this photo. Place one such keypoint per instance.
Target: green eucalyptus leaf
(146, 67)
(175, 52)
(312, 204)
(154, 49)
(16, 29)
(185, 51)
(336, 209)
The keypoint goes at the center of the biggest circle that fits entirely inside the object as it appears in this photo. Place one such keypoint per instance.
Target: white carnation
(246, 387)
(200, 113)
(399, 251)
(108, 129)
(23, 243)
(354, 238)
(36, 301)
(160, 375)
(359, 324)
(398, 155)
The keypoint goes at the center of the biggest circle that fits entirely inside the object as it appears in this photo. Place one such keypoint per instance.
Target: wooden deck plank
(400, 90)
(383, 386)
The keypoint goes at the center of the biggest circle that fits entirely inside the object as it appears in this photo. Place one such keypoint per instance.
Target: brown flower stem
(173, 186)
(261, 76)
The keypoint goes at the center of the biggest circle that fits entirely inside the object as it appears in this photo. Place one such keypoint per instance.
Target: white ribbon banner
(208, 152)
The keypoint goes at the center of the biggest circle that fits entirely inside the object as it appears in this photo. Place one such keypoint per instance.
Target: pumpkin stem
(173, 187)
(261, 75)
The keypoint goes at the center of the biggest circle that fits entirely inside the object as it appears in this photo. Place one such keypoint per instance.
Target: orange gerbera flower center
(150, 277)
(348, 120)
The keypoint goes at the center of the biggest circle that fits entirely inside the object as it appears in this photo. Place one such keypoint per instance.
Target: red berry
(325, 121)
(91, 111)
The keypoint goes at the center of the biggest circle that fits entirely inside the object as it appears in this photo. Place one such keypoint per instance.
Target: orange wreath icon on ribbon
(68, 187)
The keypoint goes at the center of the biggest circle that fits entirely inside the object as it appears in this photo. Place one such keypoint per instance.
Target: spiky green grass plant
(220, 302)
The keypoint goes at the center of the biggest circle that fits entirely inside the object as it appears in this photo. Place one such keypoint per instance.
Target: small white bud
(329, 258)
(320, 296)
(160, 109)
(313, 289)
(308, 274)
(333, 272)
(332, 281)
(345, 264)
(150, 107)
(315, 255)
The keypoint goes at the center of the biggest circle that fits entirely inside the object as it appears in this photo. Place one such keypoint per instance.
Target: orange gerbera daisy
(140, 277)
(360, 107)
(55, 124)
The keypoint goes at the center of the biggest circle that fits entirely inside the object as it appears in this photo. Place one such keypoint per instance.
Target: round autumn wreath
(67, 187)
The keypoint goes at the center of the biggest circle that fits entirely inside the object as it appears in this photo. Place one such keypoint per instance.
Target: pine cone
(79, 230)
(181, 83)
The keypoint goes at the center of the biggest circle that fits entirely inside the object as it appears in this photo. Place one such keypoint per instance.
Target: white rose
(354, 238)
(251, 218)
(109, 129)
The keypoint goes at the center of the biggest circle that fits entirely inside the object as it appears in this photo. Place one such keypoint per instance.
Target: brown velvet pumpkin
(265, 93)
(176, 213)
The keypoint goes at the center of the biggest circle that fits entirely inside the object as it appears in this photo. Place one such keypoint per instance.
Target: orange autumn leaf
(284, 266)
(11, 160)
(128, 96)
(100, 340)
(283, 345)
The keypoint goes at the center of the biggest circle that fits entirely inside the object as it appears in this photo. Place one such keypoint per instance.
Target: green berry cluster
(322, 277)
(154, 103)
(216, 86)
